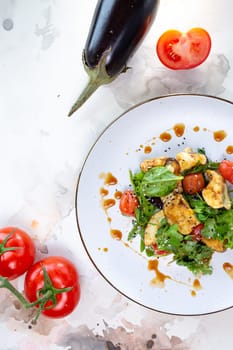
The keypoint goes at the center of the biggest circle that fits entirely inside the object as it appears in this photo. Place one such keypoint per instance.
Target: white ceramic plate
(122, 146)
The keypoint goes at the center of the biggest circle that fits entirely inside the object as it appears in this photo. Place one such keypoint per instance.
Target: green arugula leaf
(136, 230)
(201, 151)
(146, 209)
(159, 181)
(142, 245)
(150, 251)
(143, 213)
(201, 168)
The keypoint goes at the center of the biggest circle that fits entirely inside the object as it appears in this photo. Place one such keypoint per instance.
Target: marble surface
(42, 151)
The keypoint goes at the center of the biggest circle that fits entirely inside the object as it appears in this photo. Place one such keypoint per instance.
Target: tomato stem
(44, 295)
(3, 247)
(4, 283)
(49, 288)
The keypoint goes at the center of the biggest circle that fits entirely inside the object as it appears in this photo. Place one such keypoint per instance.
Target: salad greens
(201, 168)
(159, 181)
(221, 228)
(218, 223)
(156, 182)
(143, 212)
(186, 250)
(201, 208)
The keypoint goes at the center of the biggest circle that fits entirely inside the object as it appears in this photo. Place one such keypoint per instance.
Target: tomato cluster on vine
(51, 284)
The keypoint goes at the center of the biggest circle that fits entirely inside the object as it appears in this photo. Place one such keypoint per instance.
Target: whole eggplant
(117, 29)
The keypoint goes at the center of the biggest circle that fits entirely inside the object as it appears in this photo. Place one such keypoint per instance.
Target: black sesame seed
(150, 344)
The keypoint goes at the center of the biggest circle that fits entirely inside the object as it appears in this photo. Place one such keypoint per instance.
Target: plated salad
(182, 207)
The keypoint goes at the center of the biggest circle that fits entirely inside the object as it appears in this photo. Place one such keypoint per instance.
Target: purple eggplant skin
(117, 29)
(118, 26)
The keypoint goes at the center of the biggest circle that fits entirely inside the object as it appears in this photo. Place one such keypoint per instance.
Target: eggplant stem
(90, 88)
(98, 76)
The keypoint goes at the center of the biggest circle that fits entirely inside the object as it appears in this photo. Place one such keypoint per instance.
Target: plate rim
(77, 190)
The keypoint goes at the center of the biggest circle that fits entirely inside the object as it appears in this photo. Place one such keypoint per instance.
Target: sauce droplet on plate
(118, 194)
(108, 203)
(179, 129)
(103, 192)
(220, 135)
(109, 179)
(159, 279)
(147, 149)
(165, 136)
(116, 234)
(196, 284)
(196, 128)
(105, 250)
(229, 149)
(228, 268)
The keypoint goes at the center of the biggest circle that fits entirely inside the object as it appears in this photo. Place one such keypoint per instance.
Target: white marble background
(41, 152)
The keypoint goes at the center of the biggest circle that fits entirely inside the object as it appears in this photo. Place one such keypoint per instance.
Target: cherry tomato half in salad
(62, 274)
(159, 251)
(17, 252)
(196, 232)
(226, 170)
(128, 203)
(193, 183)
(177, 50)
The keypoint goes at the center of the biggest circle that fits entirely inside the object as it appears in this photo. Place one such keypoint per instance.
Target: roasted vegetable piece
(117, 28)
(177, 211)
(216, 193)
(173, 165)
(147, 164)
(214, 244)
(188, 159)
(152, 227)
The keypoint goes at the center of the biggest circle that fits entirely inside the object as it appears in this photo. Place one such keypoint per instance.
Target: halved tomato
(177, 50)
(128, 203)
(226, 170)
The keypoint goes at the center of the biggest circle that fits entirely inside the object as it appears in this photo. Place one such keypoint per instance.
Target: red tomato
(196, 232)
(128, 203)
(193, 183)
(178, 50)
(62, 274)
(226, 170)
(157, 251)
(17, 252)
